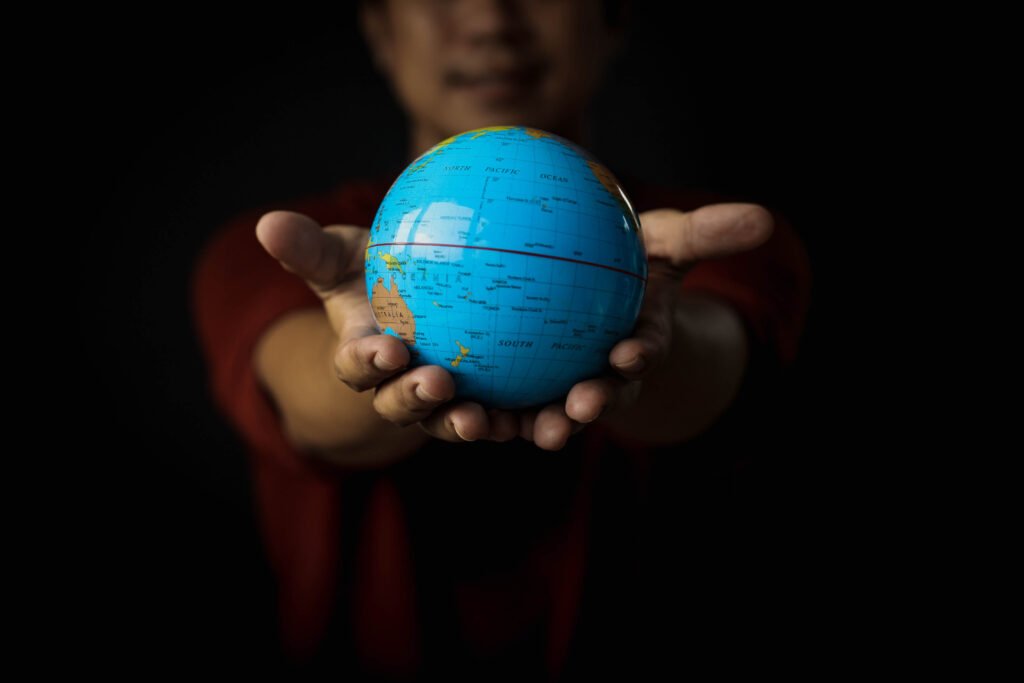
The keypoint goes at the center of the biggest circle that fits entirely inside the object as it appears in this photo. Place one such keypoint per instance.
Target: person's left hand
(674, 241)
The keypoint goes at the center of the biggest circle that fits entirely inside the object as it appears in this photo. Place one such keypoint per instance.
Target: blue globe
(512, 258)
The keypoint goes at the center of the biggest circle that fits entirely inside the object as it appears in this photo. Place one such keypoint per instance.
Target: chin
(484, 114)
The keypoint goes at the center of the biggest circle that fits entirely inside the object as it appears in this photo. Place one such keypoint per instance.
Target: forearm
(697, 382)
(322, 416)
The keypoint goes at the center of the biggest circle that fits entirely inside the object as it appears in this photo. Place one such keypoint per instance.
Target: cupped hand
(331, 261)
(675, 241)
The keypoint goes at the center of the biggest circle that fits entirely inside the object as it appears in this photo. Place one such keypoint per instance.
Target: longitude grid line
(572, 161)
(518, 333)
(519, 321)
(573, 173)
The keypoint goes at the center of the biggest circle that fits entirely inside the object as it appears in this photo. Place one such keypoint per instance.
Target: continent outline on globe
(512, 258)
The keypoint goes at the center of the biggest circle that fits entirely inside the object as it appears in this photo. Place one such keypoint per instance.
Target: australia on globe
(512, 258)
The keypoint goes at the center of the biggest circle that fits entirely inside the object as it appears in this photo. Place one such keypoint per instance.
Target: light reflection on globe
(510, 257)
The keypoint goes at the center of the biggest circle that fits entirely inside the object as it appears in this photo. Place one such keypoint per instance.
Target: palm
(674, 242)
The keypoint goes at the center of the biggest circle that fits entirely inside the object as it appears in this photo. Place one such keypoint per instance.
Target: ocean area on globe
(512, 258)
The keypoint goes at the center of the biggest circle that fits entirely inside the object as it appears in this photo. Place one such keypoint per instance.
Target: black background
(187, 119)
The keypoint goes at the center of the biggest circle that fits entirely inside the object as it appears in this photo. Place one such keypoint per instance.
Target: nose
(486, 21)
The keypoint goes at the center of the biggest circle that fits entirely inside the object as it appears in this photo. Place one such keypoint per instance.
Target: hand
(675, 241)
(331, 261)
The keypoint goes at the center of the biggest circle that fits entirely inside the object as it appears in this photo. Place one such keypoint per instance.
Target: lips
(496, 82)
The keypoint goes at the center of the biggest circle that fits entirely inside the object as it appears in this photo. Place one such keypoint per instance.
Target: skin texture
(464, 64)
(343, 388)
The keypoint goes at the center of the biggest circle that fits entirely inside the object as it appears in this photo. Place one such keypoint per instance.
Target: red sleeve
(236, 291)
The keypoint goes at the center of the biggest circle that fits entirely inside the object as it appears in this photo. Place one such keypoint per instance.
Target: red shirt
(461, 553)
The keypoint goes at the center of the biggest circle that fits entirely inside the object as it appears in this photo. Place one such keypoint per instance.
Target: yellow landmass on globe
(437, 149)
(463, 352)
(429, 155)
(605, 177)
(610, 183)
(392, 262)
(391, 311)
(490, 129)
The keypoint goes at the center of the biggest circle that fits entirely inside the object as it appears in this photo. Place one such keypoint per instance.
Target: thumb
(326, 258)
(679, 238)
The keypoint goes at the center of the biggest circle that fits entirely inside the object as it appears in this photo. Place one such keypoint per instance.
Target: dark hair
(615, 11)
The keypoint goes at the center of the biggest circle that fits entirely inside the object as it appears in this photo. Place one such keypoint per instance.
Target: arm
(321, 415)
(262, 336)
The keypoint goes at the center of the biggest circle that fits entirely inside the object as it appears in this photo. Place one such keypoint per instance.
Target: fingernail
(381, 364)
(461, 435)
(424, 395)
(636, 364)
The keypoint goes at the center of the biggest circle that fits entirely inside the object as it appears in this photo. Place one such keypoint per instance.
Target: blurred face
(455, 65)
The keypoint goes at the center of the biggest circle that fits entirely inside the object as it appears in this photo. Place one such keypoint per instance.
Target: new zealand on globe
(510, 257)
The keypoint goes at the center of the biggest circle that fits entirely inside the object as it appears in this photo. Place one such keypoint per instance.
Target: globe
(512, 258)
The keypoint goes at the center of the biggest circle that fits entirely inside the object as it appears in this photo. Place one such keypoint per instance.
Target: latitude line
(507, 251)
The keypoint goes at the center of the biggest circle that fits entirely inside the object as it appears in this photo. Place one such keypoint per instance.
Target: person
(412, 534)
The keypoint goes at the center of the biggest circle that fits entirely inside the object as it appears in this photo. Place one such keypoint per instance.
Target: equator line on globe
(512, 258)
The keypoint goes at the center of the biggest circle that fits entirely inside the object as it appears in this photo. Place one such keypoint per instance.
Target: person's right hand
(331, 261)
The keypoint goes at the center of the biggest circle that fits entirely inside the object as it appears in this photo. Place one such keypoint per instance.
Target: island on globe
(512, 258)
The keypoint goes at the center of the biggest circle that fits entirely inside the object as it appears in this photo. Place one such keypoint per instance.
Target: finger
(464, 421)
(413, 395)
(324, 257)
(649, 344)
(552, 427)
(504, 425)
(674, 241)
(593, 398)
(678, 238)
(329, 259)
(363, 362)
(527, 419)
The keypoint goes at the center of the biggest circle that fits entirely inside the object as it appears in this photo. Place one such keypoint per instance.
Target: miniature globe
(510, 257)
